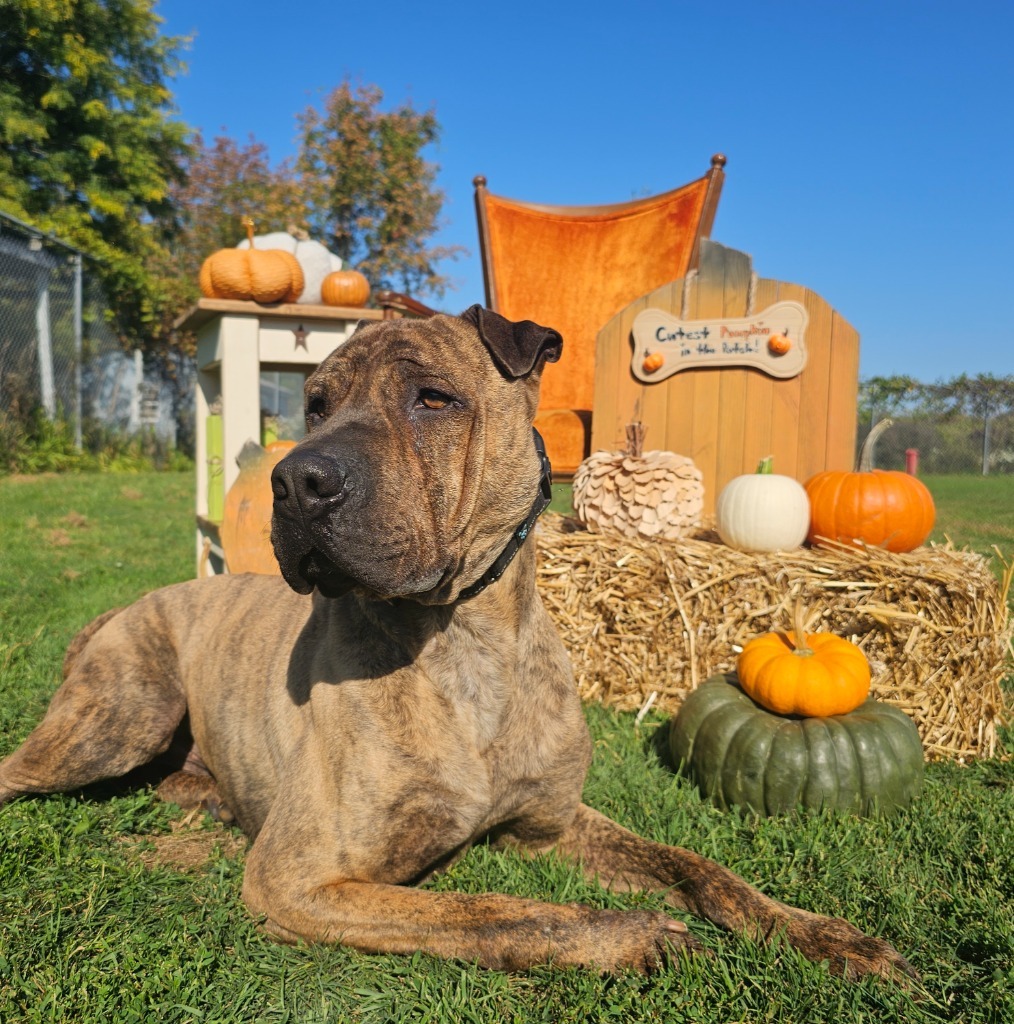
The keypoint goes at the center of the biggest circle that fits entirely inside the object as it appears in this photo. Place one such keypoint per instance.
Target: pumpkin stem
(865, 463)
(635, 439)
(249, 225)
(799, 621)
(766, 465)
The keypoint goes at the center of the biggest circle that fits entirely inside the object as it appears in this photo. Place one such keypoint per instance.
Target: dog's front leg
(623, 860)
(497, 931)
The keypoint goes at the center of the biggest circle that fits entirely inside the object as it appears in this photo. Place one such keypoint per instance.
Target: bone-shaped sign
(772, 341)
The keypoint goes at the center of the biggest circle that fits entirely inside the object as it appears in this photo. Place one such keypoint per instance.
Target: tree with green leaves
(89, 144)
(371, 196)
(951, 422)
(885, 396)
(984, 397)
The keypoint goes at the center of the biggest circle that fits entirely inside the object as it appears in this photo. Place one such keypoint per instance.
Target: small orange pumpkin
(879, 508)
(815, 675)
(652, 362)
(779, 344)
(263, 275)
(345, 288)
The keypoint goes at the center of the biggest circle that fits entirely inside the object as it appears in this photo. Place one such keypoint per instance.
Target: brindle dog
(391, 702)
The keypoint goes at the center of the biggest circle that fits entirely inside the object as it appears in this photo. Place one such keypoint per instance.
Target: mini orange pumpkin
(652, 362)
(794, 673)
(880, 508)
(345, 288)
(779, 344)
(263, 275)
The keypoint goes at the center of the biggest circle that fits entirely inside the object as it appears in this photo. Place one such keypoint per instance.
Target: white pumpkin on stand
(763, 511)
(315, 259)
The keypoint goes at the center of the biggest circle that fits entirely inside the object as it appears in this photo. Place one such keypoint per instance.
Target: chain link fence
(60, 355)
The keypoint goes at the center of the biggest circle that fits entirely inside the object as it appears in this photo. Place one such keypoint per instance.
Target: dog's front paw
(848, 951)
(643, 940)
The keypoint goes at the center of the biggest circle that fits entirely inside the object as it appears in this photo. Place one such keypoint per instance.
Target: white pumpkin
(315, 259)
(763, 511)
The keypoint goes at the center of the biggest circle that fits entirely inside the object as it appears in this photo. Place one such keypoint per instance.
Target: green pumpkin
(744, 755)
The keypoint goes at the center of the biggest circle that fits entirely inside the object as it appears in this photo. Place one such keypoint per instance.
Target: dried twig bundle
(642, 618)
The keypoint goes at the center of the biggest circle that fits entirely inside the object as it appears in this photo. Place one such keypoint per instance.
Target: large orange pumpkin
(797, 673)
(345, 288)
(879, 508)
(246, 523)
(263, 275)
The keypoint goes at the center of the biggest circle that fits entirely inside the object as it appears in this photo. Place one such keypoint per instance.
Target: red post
(912, 461)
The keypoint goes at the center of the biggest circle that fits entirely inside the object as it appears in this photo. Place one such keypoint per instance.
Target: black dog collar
(545, 495)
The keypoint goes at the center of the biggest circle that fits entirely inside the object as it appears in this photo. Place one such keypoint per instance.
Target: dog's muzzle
(308, 487)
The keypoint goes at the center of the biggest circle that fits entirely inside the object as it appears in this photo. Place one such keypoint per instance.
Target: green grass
(97, 924)
(977, 511)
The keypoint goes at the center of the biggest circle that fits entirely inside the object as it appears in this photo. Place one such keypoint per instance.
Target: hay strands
(642, 617)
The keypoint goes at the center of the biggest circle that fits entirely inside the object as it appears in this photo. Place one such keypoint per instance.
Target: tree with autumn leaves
(92, 150)
(370, 195)
(359, 184)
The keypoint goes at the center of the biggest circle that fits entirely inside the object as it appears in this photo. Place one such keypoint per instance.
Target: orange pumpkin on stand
(261, 275)
(345, 288)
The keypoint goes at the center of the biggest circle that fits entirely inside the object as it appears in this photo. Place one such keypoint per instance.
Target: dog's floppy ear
(516, 348)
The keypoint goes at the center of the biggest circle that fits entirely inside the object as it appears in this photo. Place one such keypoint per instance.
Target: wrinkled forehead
(439, 343)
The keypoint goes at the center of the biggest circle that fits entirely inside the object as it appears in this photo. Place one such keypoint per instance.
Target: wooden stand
(727, 417)
(235, 342)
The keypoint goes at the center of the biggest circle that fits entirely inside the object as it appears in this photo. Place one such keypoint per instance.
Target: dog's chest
(473, 686)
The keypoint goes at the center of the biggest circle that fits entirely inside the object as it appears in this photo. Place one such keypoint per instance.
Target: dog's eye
(429, 398)
(316, 410)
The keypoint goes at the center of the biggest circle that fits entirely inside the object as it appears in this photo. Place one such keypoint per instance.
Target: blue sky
(869, 145)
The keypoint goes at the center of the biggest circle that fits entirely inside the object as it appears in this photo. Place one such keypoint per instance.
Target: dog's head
(418, 462)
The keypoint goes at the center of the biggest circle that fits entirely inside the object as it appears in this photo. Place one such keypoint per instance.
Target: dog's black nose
(317, 482)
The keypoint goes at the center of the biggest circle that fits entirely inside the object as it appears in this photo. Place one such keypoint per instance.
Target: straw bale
(643, 618)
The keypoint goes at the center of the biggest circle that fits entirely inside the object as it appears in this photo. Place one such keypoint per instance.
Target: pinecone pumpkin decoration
(656, 495)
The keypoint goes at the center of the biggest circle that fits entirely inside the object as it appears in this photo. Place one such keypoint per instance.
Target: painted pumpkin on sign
(652, 362)
(880, 508)
(779, 344)
(740, 754)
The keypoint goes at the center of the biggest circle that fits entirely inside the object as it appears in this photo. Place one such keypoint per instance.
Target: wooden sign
(772, 341)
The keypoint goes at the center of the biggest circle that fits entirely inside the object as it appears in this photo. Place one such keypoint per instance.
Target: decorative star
(301, 334)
